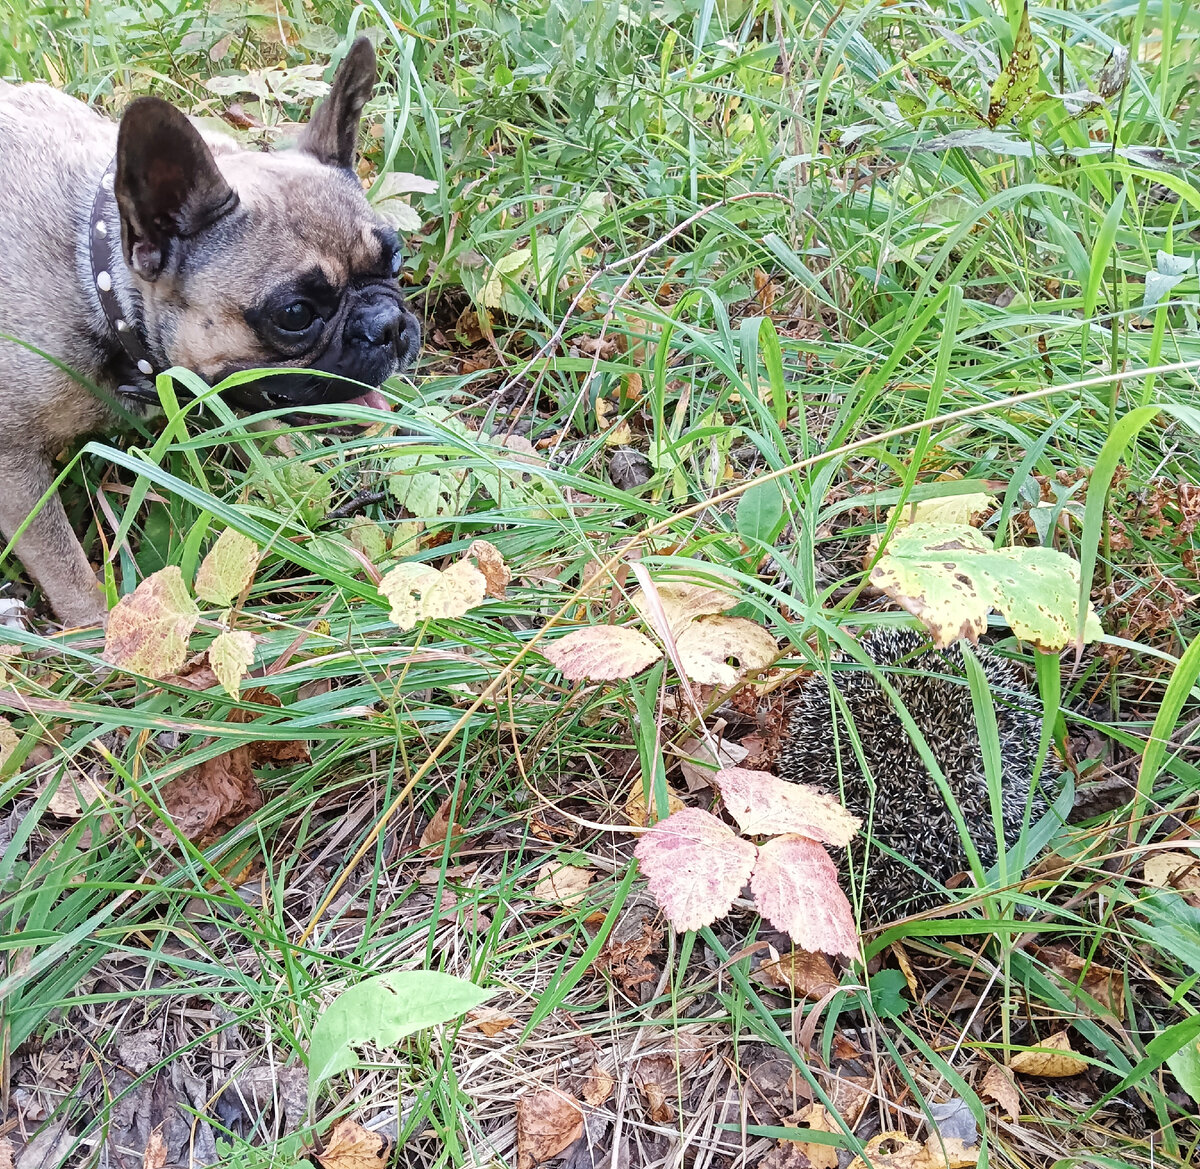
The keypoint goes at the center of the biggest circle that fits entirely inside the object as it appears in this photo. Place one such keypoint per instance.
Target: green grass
(796, 284)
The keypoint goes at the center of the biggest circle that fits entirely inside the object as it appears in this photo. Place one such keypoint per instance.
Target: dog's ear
(167, 185)
(332, 133)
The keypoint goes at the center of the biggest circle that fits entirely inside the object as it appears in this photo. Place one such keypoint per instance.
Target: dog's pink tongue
(373, 399)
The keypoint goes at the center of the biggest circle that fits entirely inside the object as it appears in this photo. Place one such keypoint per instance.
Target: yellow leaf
(419, 592)
(635, 806)
(707, 643)
(1055, 1064)
(231, 656)
(148, 630)
(564, 884)
(228, 569)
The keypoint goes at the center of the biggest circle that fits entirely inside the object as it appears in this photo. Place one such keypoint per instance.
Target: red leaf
(763, 804)
(796, 887)
(695, 867)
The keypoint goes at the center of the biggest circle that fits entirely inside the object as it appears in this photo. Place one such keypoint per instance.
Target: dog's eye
(295, 317)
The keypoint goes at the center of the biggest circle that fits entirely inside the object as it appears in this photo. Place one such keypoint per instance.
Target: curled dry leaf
(1102, 983)
(636, 811)
(8, 741)
(795, 886)
(148, 629)
(231, 655)
(598, 1086)
(350, 1146)
(658, 1079)
(683, 602)
(602, 653)
(1057, 1063)
(442, 826)
(696, 752)
(207, 800)
(998, 1084)
(265, 751)
(806, 975)
(489, 1020)
(706, 644)
(764, 805)
(695, 867)
(547, 1122)
(495, 572)
(563, 884)
(226, 572)
(786, 1155)
(419, 592)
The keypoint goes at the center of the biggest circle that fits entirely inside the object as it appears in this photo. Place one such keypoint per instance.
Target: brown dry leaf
(901, 956)
(706, 644)
(74, 794)
(657, 1079)
(850, 1095)
(602, 653)
(440, 827)
(489, 1020)
(148, 629)
(350, 1146)
(6, 1153)
(547, 1122)
(598, 1086)
(627, 960)
(155, 1155)
(1102, 983)
(196, 674)
(1055, 1064)
(8, 741)
(695, 753)
(786, 1155)
(207, 800)
(271, 750)
(636, 811)
(619, 435)
(495, 572)
(805, 974)
(817, 1117)
(999, 1085)
(562, 883)
(1175, 870)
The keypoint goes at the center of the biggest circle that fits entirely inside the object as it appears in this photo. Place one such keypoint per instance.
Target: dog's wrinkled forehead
(299, 215)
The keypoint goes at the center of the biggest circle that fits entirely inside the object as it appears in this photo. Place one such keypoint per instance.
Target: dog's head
(246, 260)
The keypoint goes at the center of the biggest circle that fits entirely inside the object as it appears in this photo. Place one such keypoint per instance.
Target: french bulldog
(128, 249)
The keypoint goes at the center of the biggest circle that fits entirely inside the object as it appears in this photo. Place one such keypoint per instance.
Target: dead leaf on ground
(910, 979)
(816, 1117)
(683, 602)
(700, 765)
(1102, 983)
(894, 1150)
(195, 674)
(763, 804)
(75, 793)
(626, 960)
(786, 1155)
(635, 806)
(350, 1146)
(707, 644)
(850, 1095)
(602, 653)
(48, 1149)
(1179, 871)
(155, 1156)
(489, 1020)
(271, 750)
(598, 1086)
(657, 1079)
(1056, 1064)
(6, 1153)
(564, 884)
(998, 1084)
(547, 1122)
(440, 827)
(805, 974)
(207, 800)
(495, 572)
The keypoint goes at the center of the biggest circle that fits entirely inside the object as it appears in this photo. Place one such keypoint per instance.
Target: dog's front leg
(47, 548)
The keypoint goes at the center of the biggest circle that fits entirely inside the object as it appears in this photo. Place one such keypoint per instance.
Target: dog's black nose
(376, 323)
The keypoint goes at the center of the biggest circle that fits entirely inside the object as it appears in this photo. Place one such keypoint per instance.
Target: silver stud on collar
(145, 367)
(104, 281)
(101, 227)
(122, 324)
(106, 180)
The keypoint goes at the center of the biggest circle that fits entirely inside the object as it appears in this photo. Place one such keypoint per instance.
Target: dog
(128, 249)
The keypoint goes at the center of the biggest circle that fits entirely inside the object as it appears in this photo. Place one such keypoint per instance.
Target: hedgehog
(903, 808)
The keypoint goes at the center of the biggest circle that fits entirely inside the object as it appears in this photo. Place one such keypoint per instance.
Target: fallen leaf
(602, 653)
(947, 509)
(207, 800)
(953, 1120)
(496, 573)
(657, 1077)
(598, 1086)
(231, 655)
(1054, 1064)
(264, 751)
(1179, 871)
(489, 1020)
(806, 975)
(998, 1084)
(564, 884)
(196, 674)
(786, 1155)
(636, 811)
(226, 572)
(894, 1150)
(148, 629)
(419, 592)
(75, 794)
(764, 805)
(817, 1117)
(440, 827)
(1102, 983)
(6, 1153)
(910, 979)
(683, 602)
(707, 643)
(695, 867)
(155, 1154)
(350, 1146)
(850, 1095)
(8, 741)
(696, 752)
(547, 1122)
(795, 886)
(619, 435)
(626, 960)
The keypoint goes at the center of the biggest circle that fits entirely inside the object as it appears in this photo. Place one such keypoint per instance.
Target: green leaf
(1185, 1062)
(1013, 90)
(760, 512)
(886, 999)
(950, 577)
(383, 1010)
(506, 269)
